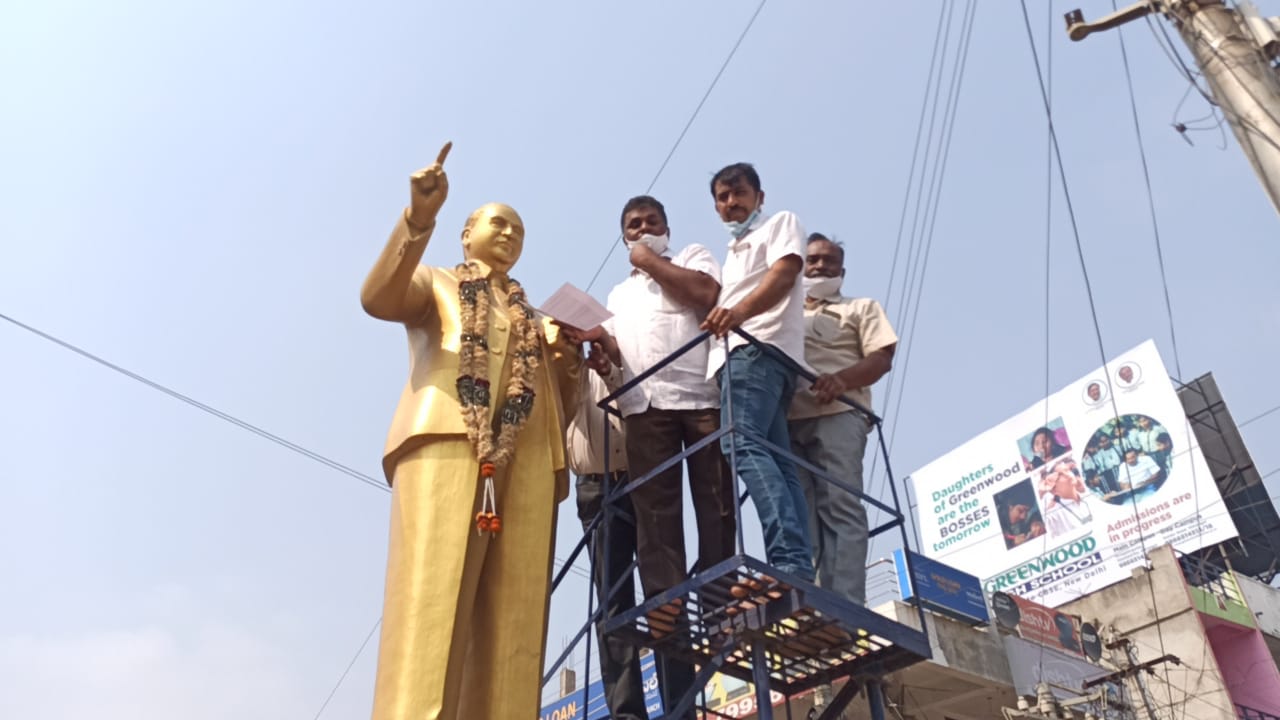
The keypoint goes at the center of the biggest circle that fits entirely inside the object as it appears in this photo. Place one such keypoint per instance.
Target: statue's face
(495, 236)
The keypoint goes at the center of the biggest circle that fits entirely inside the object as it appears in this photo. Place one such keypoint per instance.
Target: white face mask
(656, 243)
(738, 229)
(821, 287)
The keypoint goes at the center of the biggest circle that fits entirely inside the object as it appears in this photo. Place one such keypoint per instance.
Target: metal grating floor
(809, 636)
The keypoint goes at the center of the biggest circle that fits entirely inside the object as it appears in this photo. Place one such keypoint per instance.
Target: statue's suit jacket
(429, 404)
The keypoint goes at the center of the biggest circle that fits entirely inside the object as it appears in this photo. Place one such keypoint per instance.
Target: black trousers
(653, 437)
(619, 660)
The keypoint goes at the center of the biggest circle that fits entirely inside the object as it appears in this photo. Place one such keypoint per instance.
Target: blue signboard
(941, 588)
(570, 707)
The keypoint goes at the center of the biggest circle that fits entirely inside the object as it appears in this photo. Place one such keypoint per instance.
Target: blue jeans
(758, 398)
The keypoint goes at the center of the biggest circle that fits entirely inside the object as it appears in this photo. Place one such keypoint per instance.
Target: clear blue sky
(195, 192)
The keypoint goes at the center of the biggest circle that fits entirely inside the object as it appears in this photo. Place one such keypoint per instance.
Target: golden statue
(469, 565)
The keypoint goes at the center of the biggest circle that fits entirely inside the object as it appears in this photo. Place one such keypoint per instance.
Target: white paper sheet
(573, 307)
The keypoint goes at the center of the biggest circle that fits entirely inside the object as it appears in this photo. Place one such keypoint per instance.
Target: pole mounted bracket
(1078, 29)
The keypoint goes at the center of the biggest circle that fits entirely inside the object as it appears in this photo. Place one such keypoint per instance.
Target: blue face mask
(738, 229)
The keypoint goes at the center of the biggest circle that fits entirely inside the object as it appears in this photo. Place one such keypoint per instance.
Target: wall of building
(1248, 669)
(1264, 601)
(968, 677)
(1193, 688)
(956, 644)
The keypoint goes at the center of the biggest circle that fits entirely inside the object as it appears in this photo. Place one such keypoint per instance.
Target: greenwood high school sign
(1065, 497)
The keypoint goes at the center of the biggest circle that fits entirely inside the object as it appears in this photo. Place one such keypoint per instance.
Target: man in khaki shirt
(850, 344)
(615, 548)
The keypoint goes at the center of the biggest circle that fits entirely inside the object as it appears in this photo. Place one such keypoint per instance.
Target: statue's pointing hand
(428, 189)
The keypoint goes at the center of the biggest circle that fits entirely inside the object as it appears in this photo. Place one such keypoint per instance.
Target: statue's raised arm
(396, 289)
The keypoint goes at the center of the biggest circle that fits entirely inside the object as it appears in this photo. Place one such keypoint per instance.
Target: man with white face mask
(761, 296)
(849, 344)
(656, 310)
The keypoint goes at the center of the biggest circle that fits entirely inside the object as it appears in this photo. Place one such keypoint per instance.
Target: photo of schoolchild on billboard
(1044, 444)
(1020, 518)
(1063, 496)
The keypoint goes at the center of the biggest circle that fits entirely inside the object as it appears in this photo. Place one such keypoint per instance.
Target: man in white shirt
(612, 549)
(657, 310)
(850, 344)
(1138, 471)
(761, 294)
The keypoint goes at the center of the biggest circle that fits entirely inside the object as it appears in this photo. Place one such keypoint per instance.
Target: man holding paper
(656, 310)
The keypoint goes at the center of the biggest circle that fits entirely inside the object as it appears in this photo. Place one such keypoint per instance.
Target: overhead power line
(922, 196)
(350, 665)
(1151, 199)
(680, 138)
(1259, 416)
(1048, 249)
(914, 290)
(1084, 272)
(311, 454)
(228, 417)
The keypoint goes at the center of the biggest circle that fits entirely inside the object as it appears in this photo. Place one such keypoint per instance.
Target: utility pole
(1237, 52)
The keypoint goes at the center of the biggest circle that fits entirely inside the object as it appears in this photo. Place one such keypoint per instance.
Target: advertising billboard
(1063, 498)
(1037, 623)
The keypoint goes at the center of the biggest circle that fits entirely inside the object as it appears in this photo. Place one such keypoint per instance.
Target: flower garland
(493, 447)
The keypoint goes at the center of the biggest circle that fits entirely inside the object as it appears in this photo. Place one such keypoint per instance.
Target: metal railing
(602, 521)
(1215, 579)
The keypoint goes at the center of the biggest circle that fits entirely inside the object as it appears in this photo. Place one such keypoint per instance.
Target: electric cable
(714, 81)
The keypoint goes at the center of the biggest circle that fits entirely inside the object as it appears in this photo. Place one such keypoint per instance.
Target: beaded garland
(493, 447)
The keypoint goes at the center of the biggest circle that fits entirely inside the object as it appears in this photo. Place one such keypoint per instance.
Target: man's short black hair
(641, 201)
(815, 237)
(731, 174)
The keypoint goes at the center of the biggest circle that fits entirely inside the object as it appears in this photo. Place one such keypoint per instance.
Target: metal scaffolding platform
(732, 613)
(749, 620)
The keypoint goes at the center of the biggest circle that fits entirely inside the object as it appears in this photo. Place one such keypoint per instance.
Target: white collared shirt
(649, 326)
(1139, 473)
(748, 260)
